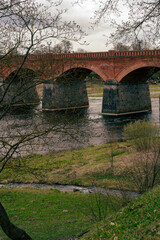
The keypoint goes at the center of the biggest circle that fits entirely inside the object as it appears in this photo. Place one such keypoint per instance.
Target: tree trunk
(10, 229)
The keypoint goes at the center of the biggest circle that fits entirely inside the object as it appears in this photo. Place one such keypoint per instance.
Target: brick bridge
(125, 76)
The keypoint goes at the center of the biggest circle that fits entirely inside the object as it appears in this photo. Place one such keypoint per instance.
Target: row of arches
(133, 73)
(21, 88)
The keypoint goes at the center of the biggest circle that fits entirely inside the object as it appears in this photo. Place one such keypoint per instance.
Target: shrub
(145, 170)
(145, 167)
(143, 134)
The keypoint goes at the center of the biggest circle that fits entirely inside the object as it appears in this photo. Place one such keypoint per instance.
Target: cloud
(83, 15)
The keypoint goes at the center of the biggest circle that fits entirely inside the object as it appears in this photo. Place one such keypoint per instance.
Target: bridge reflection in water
(69, 129)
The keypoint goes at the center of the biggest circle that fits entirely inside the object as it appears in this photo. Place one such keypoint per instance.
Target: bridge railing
(110, 53)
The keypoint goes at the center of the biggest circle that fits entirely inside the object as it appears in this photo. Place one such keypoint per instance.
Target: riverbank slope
(71, 214)
(102, 165)
(140, 219)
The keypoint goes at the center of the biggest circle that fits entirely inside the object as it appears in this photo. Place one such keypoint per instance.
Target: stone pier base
(18, 94)
(125, 98)
(64, 95)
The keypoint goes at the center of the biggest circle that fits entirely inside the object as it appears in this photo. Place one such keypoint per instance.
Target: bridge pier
(64, 95)
(125, 98)
(18, 94)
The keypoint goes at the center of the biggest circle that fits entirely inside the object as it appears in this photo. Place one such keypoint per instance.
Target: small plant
(101, 205)
(111, 158)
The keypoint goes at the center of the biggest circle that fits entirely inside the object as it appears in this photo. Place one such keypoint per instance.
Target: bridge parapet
(86, 55)
(110, 53)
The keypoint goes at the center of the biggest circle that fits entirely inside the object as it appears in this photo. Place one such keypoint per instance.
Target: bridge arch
(20, 88)
(129, 91)
(83, 69)
(25, 74)
(137, 73)
(7, 71)
(68, 90)
(73, 74)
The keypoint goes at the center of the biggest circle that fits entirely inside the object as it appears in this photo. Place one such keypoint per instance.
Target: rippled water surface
(68, 130)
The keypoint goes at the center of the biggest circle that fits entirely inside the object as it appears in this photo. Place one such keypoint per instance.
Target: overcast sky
(83, 14)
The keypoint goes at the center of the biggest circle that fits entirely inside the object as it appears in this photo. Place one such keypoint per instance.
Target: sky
(96, 34)
(83, 14)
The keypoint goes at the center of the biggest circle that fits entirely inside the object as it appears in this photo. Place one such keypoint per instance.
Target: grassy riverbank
(138, 220)
(105, 165)
(50, 214)
(88, 166)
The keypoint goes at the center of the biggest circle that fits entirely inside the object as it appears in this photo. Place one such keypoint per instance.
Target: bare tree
(141, 21)
(25, 26)
(121, 47)
(81, 50)
(64, 47)
(140, 45)
(135, 46)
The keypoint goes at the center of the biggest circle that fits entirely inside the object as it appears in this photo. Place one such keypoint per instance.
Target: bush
(143, 134)
(144, 170)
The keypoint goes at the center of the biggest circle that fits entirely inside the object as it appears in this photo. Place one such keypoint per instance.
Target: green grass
(95, 87)
(50, 214)
(154, 87)
(140, 219)
(87, 166)
(80, 167)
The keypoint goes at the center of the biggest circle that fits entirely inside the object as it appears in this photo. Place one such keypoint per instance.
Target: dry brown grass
(39, 88)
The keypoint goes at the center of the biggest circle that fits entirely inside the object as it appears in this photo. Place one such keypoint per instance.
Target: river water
(66, 130)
